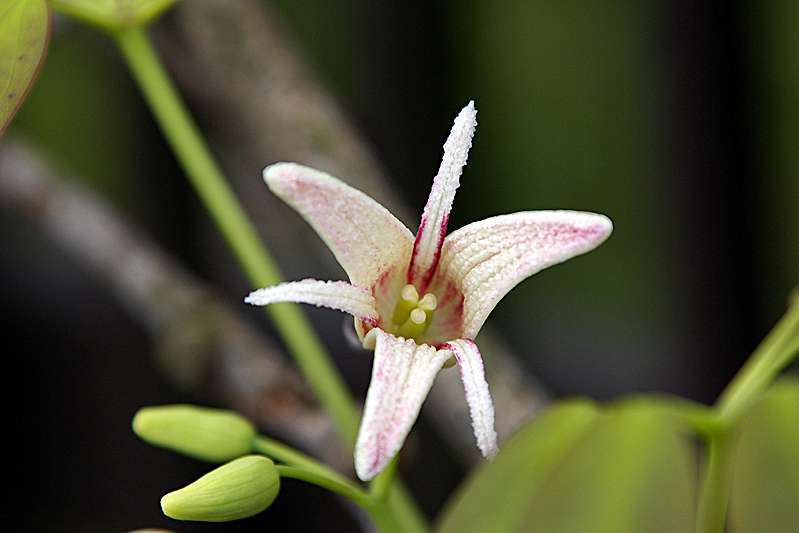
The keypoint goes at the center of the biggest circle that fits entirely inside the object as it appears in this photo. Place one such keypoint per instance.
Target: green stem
(700, 418)
(715, 485)
(302, 467)
(396, 511)
(346, 489)
(773, 354)
(381, 485)
(195, 158)
(290, 456)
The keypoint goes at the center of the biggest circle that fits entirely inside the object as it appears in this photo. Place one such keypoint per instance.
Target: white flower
(419, 302)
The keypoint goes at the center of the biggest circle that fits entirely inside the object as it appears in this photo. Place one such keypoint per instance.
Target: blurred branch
(261, 103)
(201, 343)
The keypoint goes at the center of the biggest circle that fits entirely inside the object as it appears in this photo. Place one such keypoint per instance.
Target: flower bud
(241, 488)
(212, 435)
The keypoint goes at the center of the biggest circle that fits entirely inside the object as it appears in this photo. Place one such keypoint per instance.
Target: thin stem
(343, 488)
(396, 511)
(194, 156)
(702, 419)
(773, 354)
(381, 485)
(715, 485)
(288, 455)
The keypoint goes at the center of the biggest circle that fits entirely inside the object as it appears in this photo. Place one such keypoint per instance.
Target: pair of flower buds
(243, 486)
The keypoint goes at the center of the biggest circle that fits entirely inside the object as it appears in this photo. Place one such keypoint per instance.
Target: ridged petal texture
(433, 226)
(338, 295)
(365, 238)
(481, 407)
(402, 374)
(488, 258)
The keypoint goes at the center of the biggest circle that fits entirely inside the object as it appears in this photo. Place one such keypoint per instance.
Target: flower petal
(365, 238)
(402, 374)
(488, 258)
(478, 397)
(339, 295)
(433, 226)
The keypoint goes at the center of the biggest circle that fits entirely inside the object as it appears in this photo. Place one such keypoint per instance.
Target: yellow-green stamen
(412, 315)
(409, 299)
(429, 302)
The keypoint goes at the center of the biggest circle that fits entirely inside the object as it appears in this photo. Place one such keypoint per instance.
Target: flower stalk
(195, 158)
(776, 351)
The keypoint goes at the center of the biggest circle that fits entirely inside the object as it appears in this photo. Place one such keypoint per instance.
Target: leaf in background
(113, 14)
(496, 496)
(576, 469)
(765, 487)
(24, 32)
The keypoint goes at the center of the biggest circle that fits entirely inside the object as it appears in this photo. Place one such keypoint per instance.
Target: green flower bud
(238, 489)
(212, 435)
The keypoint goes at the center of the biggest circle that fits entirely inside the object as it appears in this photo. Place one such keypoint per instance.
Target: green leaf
(24, 33)
(113, 15)
(765, 487)
(577, 469)
(497, 495)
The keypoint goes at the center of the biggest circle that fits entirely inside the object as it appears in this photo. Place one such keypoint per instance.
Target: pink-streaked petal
(488, 258)
(365, 238)
(402, 374)
(478, 397)
(433, 226)
(338, 295)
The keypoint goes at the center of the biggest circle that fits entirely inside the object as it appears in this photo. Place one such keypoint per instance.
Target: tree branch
(200, 342)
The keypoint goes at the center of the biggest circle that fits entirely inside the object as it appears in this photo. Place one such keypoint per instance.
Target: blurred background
(677, 119)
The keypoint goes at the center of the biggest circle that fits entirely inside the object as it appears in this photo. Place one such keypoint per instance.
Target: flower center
(412, 314)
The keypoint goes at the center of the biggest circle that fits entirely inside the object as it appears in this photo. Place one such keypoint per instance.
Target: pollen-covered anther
(415, 325)
(411, 314)
(429, 302)
(409, 299)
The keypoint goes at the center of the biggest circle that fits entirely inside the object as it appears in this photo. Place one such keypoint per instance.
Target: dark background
(677, 119)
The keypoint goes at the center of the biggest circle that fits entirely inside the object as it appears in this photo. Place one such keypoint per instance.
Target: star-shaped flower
(420, 302)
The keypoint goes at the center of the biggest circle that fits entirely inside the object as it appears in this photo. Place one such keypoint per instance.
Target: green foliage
(212, 435)
(24, 32)
(578, 469)
(765, 487)
(236, 490)
(113, 14)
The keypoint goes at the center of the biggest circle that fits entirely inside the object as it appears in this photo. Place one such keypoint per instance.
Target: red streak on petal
(426, 276)
(412, 267)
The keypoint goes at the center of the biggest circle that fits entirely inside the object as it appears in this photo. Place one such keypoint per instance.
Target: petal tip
(277, 173)
(468, 116)
(491, 450)
(367, 470)
(254, 298)
(604, 225)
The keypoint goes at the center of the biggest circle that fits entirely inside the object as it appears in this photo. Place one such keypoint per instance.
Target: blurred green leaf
(496, 497)
(113, 14)
(576, 469)
(765, 488)
(24, 32)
